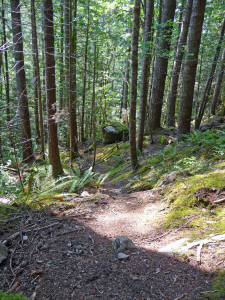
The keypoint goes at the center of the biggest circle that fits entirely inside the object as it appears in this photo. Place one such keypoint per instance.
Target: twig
(219, 201)
(10, 262)
(180, 297)
(199, 252)
(168, 232)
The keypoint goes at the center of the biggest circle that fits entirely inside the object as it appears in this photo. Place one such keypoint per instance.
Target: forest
(112, 149)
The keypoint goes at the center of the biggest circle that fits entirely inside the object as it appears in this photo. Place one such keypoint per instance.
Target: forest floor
(62, 253)
(67, 252)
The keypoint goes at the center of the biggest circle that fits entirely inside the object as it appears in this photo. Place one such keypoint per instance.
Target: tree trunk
(171, 104)
(218, 84)
(6, 65)
(93, 125)
(48, 23)
(21, 82)
(35, 59)
(61, 76)
(85, 77)
(133, 87)
(37, 79)
(1, 63)
(124, 112)
(190, 66)
(161, 64)
(210, 78)
(73, 83)
(147, 56)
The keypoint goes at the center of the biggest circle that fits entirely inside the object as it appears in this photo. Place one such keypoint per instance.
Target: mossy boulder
(114, 132)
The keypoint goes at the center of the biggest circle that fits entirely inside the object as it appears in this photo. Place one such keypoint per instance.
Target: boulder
(114, 132)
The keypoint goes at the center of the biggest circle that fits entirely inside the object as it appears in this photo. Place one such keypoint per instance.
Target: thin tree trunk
(126, 86)
(218, 84)
(37, 73)
(1, 63)
(147, 57)
(210, 77)
(133, 87)
(199, 82)
(161, 64)
(171, 104)
(21, 82)
(85, 76)
(48, 23)
(93, 108)
(61, 76)
(73, 83)
(6, 65)
(34, 46)
(190, 66)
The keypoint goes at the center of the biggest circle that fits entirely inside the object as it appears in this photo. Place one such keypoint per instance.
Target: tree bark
(161, 64)
(218, 84)
(133, 87)
(205, 96)
(61, 76)
(21, 82)
(48, 24)
(190, 66)
(6, 65)
(171, 104)
(147, 56)
(85, 76)
(37, 72)
(73, 83)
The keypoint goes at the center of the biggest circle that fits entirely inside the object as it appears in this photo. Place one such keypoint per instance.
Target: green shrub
(4, 296)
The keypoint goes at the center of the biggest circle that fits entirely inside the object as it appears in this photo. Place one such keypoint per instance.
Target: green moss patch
(184, 203)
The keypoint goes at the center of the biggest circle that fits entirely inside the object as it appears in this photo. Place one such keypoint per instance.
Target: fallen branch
(219, 201)
(168, 232)
(199, 252)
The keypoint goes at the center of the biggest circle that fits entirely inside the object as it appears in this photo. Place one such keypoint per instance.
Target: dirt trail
(71, 256)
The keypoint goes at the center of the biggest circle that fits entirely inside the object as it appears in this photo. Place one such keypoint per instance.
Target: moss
(118, 126)
(184, 203)
(163, 139)
(4, 296)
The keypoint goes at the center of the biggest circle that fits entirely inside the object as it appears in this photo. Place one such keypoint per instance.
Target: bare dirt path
(70, 256)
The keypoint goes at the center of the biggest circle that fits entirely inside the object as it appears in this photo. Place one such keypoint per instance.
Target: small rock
(122, 256)
(122, 243)
(85, 194)
(169, 178)
(3, 252)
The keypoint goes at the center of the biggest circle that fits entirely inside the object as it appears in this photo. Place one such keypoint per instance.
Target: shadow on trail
(68, 260)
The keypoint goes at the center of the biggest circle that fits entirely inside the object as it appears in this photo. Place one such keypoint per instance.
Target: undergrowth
(10, 296)
(218, 287)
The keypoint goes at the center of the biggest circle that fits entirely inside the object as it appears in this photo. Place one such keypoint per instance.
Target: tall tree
(161, 63)
(218, 84)
(147, 55)
(133, 87)
(48, 25)
(6, 64)
(208, 85)
(38, 105)
(171, 102)
(21, 82)
(73, 82)
(85, 75)
(190, 66)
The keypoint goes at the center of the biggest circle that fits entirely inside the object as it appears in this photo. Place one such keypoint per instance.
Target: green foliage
(9, 185)
(10, 296)
(219, 287)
